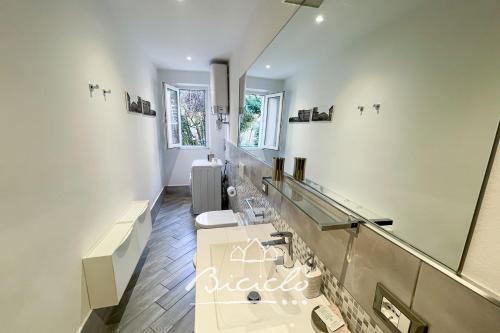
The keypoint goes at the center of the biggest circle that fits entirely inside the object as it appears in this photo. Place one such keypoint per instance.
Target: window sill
(250, 148)
(193, 147)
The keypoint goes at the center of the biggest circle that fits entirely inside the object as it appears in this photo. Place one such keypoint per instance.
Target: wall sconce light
(376, 107)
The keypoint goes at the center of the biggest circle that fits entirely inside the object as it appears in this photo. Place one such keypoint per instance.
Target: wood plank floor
(156, 300)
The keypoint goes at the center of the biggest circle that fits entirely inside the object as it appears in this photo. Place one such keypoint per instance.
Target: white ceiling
(168, 31)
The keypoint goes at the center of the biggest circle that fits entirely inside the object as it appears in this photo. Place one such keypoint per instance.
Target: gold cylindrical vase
(299, 169)
(278, 168)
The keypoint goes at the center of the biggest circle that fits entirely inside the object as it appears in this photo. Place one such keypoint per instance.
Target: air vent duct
(307, 3)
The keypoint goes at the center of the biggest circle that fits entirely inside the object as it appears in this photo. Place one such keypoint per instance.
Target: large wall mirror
(395, 105)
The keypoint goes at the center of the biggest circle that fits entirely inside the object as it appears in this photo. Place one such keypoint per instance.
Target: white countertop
(295, 318)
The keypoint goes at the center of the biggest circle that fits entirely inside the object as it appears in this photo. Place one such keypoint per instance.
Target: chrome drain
(253, 297)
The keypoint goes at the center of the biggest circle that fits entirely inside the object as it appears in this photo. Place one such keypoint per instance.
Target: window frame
(262, 94)
(168, 121)
(168, 116)
(263, 127)
(266, 96)
(207, 114)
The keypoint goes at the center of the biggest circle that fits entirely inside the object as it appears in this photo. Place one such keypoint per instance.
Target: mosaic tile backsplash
(357, 319)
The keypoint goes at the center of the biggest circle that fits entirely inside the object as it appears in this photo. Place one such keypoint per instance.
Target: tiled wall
(353, 264)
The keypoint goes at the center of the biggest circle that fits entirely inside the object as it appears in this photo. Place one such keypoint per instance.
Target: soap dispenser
(311, 274)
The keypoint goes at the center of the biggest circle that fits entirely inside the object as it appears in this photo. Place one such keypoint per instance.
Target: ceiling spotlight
(319, 18)
(189, 58)
(268, 66)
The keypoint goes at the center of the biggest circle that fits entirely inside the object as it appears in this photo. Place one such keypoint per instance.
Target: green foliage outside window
(193, 122)
(250, 121)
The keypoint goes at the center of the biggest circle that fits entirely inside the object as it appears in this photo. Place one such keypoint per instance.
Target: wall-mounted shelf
(327, 213)
(110, 264)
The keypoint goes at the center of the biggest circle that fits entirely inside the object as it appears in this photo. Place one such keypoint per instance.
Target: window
(260, 122)
(250, 121)
(172, 116)
(186, 116)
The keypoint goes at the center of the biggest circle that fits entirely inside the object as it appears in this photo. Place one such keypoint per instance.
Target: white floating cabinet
(110, 264)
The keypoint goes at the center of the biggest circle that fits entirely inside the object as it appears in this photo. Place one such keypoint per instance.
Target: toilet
(217, 219)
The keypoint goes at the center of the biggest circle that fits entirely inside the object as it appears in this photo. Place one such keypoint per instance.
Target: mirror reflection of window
(272, 121)
(250, 120)
(260, 121)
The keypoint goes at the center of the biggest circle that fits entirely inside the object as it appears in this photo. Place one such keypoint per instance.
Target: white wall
(421, 160)
(269, 17)
(178, 160)
(70, 164)
(482, 264)
(265, 85)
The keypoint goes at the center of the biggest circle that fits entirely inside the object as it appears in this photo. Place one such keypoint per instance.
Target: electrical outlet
(398, 317)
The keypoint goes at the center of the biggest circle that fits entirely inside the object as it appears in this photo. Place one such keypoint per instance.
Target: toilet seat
(216, 219)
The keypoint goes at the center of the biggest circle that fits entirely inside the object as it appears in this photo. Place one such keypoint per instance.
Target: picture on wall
(322, 116)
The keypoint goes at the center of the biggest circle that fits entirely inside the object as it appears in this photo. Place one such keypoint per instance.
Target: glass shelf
(326, 212)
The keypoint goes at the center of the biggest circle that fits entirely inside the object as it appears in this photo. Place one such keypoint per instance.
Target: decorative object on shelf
(323, 116)
(146, 108)
(135, 107)
(299, 168)
(303, 117)
(105, 92)
(377, 107)
(278, 168)
(361, 109)
(92, 87)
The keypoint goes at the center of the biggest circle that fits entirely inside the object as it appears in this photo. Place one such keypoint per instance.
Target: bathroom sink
(274, 305)
(232, 269)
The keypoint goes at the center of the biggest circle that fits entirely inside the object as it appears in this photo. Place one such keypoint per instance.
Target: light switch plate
(265, 189)
(395, 314)
(241, 170)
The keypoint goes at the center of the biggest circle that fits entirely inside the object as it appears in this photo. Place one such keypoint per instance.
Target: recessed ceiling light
(319, 18)
(189, 58)
(268, 66)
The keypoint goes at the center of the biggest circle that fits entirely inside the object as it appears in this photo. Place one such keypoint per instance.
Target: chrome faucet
(285, 244)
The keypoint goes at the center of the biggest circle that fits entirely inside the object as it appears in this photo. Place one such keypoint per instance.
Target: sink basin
(231, 263)
(253, 272)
